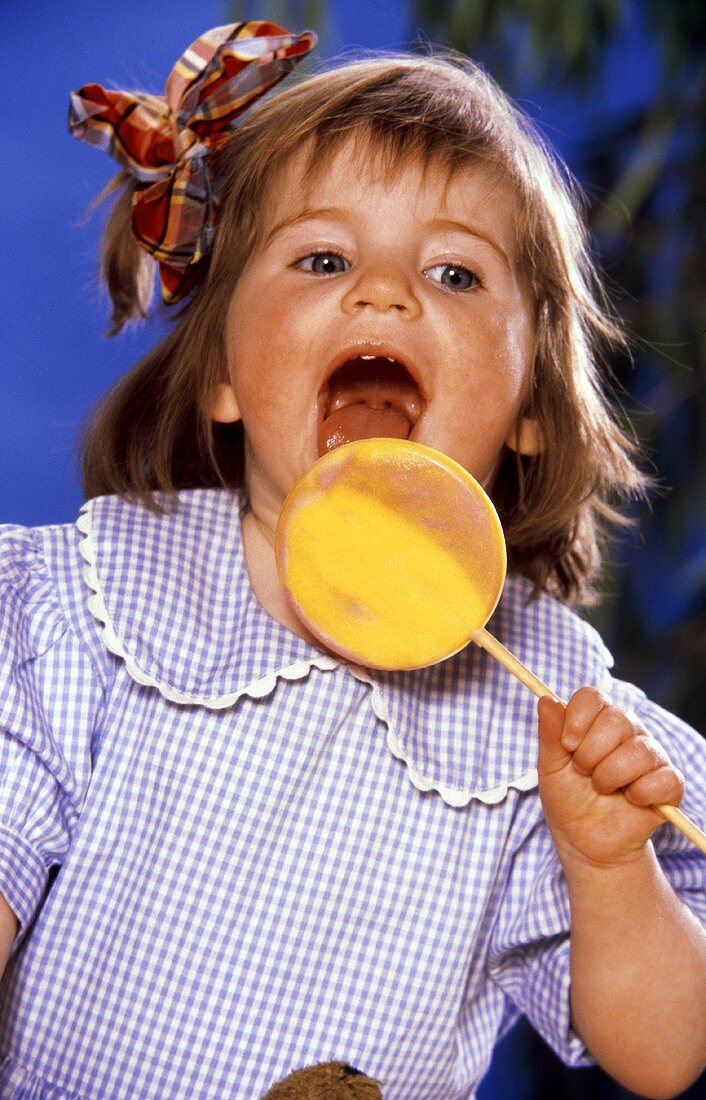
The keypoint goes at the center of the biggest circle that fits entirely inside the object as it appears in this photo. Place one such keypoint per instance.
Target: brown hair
(153, 430)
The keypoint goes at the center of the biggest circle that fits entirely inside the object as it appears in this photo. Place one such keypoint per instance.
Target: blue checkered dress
(233, 855)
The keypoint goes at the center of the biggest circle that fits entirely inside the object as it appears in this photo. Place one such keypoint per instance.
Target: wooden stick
(537, 687)
(684, 824)
(513, 664)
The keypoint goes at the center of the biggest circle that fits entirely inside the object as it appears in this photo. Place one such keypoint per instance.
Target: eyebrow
(473, 231)
(310, 214)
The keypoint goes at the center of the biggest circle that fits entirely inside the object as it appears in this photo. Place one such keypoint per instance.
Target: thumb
(552, 754)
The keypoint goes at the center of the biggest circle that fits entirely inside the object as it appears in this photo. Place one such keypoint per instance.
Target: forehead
(357, 171)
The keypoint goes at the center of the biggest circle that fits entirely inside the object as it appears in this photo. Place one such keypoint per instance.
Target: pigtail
(126, 270)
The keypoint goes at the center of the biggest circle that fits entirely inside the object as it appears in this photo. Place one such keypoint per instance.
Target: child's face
(418, 268)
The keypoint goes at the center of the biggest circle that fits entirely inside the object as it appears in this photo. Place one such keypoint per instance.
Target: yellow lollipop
(378, 528)
(393, 556)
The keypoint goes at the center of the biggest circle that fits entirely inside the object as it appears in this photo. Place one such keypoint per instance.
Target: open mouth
(368, 396)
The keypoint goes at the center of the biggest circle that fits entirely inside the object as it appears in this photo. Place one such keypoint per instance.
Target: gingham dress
(233, 855)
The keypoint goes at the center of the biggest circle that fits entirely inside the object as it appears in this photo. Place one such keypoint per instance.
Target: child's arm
(638, 956)
(8, 931)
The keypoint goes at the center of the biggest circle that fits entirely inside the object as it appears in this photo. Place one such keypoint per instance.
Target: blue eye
(323, 263)
(452, 276)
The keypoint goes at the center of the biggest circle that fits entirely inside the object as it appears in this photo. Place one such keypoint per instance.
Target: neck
(258, 546)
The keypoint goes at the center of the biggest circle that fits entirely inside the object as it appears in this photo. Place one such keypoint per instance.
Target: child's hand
(600, 771)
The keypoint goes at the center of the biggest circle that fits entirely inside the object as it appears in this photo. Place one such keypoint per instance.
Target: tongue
(369, 398)
(359, 421)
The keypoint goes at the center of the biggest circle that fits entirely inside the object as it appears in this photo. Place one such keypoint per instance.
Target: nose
(384, 288)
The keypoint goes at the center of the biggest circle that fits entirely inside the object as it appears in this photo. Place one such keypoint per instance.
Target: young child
(226, 853)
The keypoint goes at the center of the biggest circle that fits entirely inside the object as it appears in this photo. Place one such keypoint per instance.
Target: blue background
(55, 362)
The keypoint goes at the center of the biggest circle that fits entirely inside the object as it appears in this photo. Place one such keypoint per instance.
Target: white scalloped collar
(173, 598)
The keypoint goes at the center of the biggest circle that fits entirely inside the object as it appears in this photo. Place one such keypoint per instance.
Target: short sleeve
(529, 949)
(49, 695)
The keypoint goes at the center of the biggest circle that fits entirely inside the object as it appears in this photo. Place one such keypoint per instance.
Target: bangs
(385, 151)
(402, 113)
(401, 122)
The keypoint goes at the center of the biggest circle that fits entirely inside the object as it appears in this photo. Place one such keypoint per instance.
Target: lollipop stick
(537, 687)
(512, 664)
(684, 824)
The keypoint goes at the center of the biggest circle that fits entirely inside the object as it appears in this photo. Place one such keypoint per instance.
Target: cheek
(269, 413)
(257, 362)
(498, 358)
(267, 300)
(512, 356)
(511, 331)
(270, 337)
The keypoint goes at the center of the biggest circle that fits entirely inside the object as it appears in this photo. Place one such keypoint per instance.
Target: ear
(225, 408)
(526, 437)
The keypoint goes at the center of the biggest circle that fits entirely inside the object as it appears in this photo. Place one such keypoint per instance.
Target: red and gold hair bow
(165, 141)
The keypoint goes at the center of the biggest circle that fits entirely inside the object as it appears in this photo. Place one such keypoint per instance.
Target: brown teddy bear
(326, 1081)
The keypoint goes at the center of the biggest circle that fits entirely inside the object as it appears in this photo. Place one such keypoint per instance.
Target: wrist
(579, 867)
(614, 893)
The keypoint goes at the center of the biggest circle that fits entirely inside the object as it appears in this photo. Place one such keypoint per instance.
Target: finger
(662, 787)
(632, 759)
(552, 754)
(612, 728)
(581, 712)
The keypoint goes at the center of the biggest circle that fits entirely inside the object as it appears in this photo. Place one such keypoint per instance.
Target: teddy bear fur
(326, 1081)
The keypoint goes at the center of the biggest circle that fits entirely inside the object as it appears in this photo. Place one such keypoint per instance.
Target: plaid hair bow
(165, 141)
